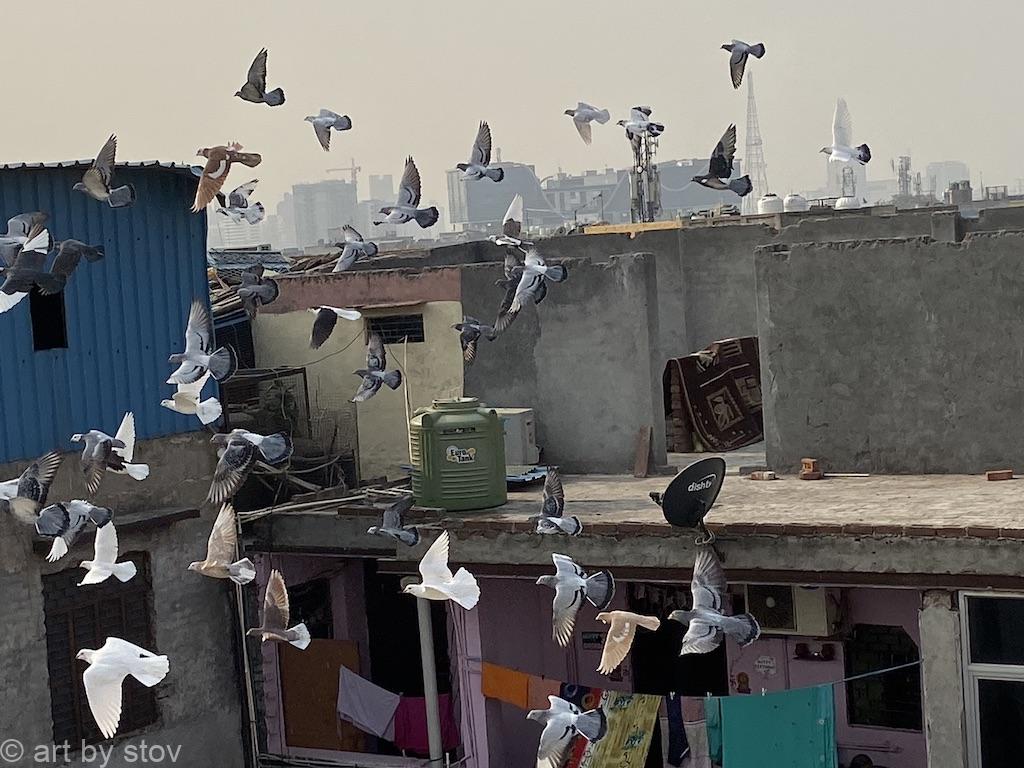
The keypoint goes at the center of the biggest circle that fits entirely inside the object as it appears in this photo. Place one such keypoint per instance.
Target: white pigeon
(326, 319)
(324, 122)
(738, 59)
(562, 720)
(583, 115)
(354, 247)
(512, 226)
(407, 207)
(108, 667)
(842, 149)
(186, 401)
(480, 158)
(237, 208)
(438, 582)
(104, 563)
(639, 124)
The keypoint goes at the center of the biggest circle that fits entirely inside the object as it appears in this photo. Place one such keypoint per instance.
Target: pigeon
(842, 149)
(63, 521)
(276, 616)
(96, 181)
(374, 375)
(512, 226)
(199, 355)
(238, 453)
(408, 199)
(326, 319)
(705, 623)
(324, 122)
(236, 206)
(352, 249)
(391, 523)
(108, 667)
(28, 270)
(255, 88)
(720, 167)
(513, 274)
(551, 520)
(186, 401)
(24, 495)
(103, 453)
(220, 552)
(480, 158)
(562, 720)
(18, 229)
(69, 254)
(639, 124)
(470, 330)
(438, 583)
(583, 115)
(621, 631)
(572, 585)
(532, 285)
(219, 160)
(738, 58)
(256, 290)
(104, 563)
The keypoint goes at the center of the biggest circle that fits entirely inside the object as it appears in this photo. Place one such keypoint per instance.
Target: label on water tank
(457, 455)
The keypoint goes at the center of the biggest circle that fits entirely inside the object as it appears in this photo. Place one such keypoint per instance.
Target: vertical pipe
(429, 678)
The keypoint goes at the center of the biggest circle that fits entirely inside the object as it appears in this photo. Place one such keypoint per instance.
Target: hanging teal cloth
(713, 724)
(791, 729)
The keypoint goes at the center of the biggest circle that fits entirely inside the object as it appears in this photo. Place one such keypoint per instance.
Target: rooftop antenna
(646, 202)
(753, 154)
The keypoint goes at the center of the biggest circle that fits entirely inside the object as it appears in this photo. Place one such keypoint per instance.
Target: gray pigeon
(276, 617)
(374, 375)
(353, 249)
(720, 167)
(63, 522)
(257, 290)
(639, 124)
(326, 319)
(96, 182)
(103, 453)
(237, 453)
(738, 60)
(18, 229)
(28, 269)
(255, 88)
(532, 287)
(199, 355)
(572, 585)
(470, 330)
(551, 519)
(24, 495)
(406, 209)
(582, 117)
(705, 623)
(480, 158)
(563, 720)
(392, 523)
(324, 122)
(236, 205)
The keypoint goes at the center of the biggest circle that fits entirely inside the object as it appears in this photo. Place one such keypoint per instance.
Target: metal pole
(429, 677)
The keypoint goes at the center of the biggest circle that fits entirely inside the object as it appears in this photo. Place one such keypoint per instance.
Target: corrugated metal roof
(86, 163)
(125, 314)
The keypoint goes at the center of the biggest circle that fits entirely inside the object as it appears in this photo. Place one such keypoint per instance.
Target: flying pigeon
(352, 249)
(583, 115)
(408, 199)
(255, 88)
(326, 319)
(562, 720)
(18, 229)
(470, 330)
(199, 355)
(572, 585)
(512, 226)
(705, 623)
(532, 285)
(639, 124)
(374, 375)
(219, 160)
(480, 158)
(720, 167)
(256, 290)
(103, 453)
(96, 181)
(276, 616)
(63, 521)
(239, 450)
(236, 206)
(28, 270)
(220, 552)
(738, 58)
(842, 149)
(438, 583)
(620, 636)
(104, 563)
(392, 525)
(509, 283)
(108, 667)
(24, 495)
(551, 520)
(324, 122)
(186, 401)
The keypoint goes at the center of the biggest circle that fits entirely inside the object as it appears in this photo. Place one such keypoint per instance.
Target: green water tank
(458, 455)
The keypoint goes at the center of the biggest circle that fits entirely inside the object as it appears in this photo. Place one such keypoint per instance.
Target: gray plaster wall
(893, 356)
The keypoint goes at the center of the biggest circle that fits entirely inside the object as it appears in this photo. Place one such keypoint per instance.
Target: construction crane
(353, 169)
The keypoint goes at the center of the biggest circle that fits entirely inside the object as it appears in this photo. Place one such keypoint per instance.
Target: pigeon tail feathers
(150, 670)
(393, 378)
(276, 448)
(427, 217)
(100, 516)
(741, 186)
(409, 536)
(242, 572)
(209, 410)
(137, 471)
(274, 98)
(557, 273)
(655, 129)
(600, 589)
(603, 116)
(122, 197)
(24, 510)
(463, 589)
(495, 174)
(744, 628)
(223, 363)
(124, 571)
(864, 153)
(757, 51)
(303, 638)
(593, 724)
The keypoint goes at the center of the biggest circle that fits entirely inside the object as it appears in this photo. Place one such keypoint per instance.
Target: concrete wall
(897, 356)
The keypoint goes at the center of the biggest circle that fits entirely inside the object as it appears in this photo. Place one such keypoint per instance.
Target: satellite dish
(691, 494)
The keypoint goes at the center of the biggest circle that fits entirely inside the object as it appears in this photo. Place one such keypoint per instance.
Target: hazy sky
(919, 75)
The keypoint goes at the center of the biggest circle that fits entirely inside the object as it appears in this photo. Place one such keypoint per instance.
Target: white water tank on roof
(770, 203)
(847, 203)
(795, 203)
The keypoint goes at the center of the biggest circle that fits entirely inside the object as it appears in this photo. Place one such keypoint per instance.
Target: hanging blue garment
(677, 744)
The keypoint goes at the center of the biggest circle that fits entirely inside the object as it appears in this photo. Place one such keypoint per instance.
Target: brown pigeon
(218, 162)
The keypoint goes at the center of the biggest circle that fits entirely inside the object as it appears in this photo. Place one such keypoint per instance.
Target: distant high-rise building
(321, 206)
(753, 153)
(940, 175)
(382, 187)
(283, 235)
(480, 205)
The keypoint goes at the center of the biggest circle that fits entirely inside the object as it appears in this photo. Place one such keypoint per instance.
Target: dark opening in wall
(49, 325)
(394, 329)
(891, 700)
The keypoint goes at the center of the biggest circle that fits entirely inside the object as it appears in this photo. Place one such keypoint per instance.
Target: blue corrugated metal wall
(125, 314)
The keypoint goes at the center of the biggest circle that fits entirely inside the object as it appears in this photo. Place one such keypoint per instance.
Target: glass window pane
(1001, 711)
(997, 625)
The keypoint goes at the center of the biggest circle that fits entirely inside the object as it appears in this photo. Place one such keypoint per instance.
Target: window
(395, 329)
(49, 326)
(83, 617)
(892, 700)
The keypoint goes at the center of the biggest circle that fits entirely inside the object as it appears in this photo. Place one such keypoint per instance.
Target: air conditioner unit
(791, 610)
(520, 436)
